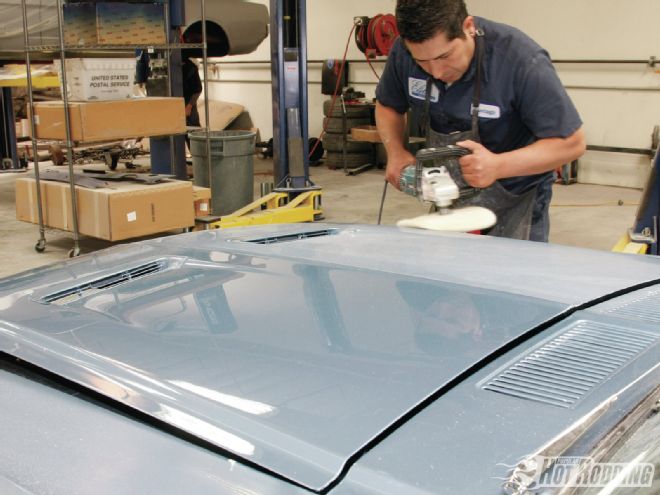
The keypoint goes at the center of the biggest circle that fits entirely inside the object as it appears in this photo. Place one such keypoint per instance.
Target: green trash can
(232, 168)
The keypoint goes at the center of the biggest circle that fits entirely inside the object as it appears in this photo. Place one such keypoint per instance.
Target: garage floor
(581, 215)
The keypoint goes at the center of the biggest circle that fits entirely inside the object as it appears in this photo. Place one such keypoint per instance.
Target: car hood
(295, 347)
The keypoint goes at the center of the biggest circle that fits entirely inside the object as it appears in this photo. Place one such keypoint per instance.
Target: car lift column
(288, 35)
(8, 145)
(169, 158)
(295, 198)
(646, 228)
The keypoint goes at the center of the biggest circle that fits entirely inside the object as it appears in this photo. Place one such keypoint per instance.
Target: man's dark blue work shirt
(522, 99)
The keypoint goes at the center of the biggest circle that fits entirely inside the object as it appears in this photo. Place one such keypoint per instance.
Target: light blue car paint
(301, 358)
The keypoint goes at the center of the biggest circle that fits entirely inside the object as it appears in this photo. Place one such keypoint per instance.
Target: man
(191, 82)
(486, 87)
(192, 89)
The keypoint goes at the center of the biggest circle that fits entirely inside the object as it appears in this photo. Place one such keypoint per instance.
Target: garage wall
(620, 104)
(328, 26)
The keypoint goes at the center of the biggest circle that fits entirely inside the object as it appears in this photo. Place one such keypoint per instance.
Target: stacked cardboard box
(114, 23)
(202, 201)
(94, 121)
(125, 211)
(98, 78)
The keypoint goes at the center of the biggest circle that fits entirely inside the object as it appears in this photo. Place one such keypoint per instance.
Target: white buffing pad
(459, 220)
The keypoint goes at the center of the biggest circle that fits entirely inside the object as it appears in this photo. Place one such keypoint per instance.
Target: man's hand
(481, 168)
(188, 109)
(395, 164)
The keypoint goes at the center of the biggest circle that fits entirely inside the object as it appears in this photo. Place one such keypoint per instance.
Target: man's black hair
(421, 20)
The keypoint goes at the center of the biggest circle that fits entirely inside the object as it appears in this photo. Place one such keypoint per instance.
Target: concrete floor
(581, 215)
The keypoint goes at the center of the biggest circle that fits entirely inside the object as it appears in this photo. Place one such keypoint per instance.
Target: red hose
(334, 95)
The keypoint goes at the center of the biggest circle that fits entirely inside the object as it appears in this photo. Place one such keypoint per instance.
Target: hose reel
(375, 36)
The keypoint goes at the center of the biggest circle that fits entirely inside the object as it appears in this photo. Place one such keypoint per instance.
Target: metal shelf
(85, 48)
(63, 50)
(80, 144)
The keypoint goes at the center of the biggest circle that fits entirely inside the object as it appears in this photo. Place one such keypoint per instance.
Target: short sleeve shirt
(192, 84)
(522, 99)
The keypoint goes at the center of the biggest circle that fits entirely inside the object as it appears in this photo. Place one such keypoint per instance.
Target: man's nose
(437, 68)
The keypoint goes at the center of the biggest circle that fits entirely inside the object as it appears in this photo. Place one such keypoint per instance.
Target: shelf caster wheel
(40, 246)
(74, 252)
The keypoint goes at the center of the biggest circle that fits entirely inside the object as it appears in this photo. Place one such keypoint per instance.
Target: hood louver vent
(646, 308)
(293, 237)
(568, 367)
(76, 292)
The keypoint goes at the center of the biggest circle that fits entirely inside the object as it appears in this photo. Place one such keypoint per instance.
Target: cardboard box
(128, 210)
(94, 121)
(202, 201)
(367, 133)
(80, 24)
(26, 200)
(114, 23)
(98, 78)
(121, 23)
(221, 113)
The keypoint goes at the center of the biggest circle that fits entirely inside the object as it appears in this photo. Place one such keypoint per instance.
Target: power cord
(382, 203)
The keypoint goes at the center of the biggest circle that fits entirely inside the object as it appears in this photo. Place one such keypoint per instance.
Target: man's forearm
(391, 128)
(482, 167)
(193, 99)
(542, 156)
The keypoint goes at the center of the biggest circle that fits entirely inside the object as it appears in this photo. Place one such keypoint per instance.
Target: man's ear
(469, 27)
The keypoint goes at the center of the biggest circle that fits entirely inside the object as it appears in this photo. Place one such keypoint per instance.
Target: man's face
(443, 59)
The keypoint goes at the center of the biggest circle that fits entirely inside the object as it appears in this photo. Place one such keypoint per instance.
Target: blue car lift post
(295, 198)
(288, 45)
(8, 147)
(645, 229)
(642, 238)
(168, 154)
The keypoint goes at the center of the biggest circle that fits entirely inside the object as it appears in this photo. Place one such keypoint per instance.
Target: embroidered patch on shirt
(488, 111)
(417, 89)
